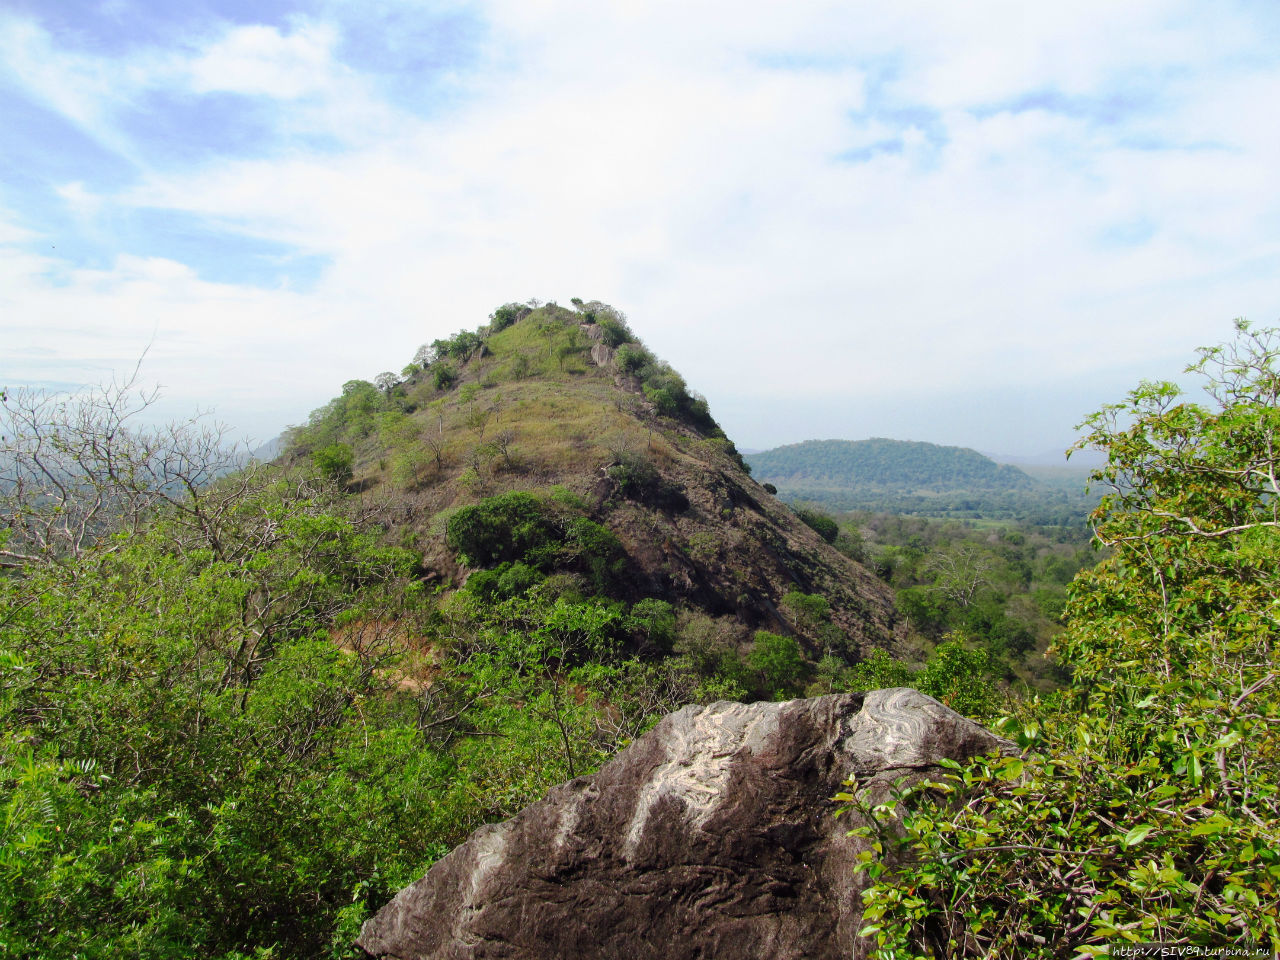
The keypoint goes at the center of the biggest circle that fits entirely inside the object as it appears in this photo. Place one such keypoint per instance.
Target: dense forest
(243, 703)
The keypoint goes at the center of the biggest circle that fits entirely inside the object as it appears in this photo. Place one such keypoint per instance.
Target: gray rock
(601, 354)
(712, 836)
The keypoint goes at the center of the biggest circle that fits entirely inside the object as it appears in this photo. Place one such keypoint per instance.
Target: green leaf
(1137, 834)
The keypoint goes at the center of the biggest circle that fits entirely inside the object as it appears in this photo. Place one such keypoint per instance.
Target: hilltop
(924, 479)
(628, 485)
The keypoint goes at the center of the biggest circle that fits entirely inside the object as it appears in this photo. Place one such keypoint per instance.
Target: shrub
(615, 332)
(443, 376)
(664, 401)
(504, 581)
(820, 523)
(654, 621)
(506, 527)
(631, 357)
(596, 551)
(777, 663)
(335, 462)
(505, 316)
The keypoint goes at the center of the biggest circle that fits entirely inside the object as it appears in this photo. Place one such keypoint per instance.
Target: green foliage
(507, 527)
(507, 580)
(1145, 805)
(878, 671)
(596, 552)
(187, 766)
(778, 664)
(443, 376)
(664, 400)
(820, 523)
(654, 621)
(958, 675)
(334, 462)
(631, 357)
(638, 479)
(614, 330)
(506, 315)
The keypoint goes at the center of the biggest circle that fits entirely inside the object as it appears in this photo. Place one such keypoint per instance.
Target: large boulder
(712, 836)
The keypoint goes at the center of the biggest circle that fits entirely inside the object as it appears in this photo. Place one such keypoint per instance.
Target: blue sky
(964, 223)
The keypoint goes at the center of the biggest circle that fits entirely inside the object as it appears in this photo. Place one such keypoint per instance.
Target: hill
(900, 465)
(565, 417)
(916, 478)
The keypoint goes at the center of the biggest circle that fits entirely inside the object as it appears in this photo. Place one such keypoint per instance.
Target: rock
(712, 836)
(601, 354)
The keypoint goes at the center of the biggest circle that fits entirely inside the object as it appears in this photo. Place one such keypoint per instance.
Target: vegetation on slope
(1145, 806)
(237, 713)
(238, 710)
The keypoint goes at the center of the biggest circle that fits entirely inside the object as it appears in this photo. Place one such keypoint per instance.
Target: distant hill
(911, 477)
(901, 465)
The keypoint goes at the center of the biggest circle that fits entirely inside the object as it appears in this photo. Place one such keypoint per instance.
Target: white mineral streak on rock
(488, 854)
(891, 729)
(701, 746)
(568, 822)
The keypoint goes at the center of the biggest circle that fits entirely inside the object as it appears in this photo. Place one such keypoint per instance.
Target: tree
(334, 462)
(425, 355)
(76, 468)
(960, 572)
(777, 662)
(1146, 803)
(386, 381)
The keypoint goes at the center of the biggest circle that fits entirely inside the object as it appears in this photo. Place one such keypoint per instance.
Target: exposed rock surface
(710, 837)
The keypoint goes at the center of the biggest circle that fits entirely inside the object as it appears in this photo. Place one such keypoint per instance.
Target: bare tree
(961, 572)
(502, 443)
(77, 468)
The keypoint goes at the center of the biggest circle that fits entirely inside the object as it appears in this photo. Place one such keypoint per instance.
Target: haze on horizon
(968, 226)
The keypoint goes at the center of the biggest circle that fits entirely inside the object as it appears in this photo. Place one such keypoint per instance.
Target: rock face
(712, 836)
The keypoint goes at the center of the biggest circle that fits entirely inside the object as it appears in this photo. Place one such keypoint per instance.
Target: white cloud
(665, 157)
(260, 60)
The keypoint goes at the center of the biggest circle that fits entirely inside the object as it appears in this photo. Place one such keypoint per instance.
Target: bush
(631, 358)
(503, 528)
(503, 582)
(443, 376)
(654, 622)
(639, 480)
(777, 663)
(664, 401)
(505, 316)
(820, 523)
(615, 332)
(335, 462)
(596, 551)
(960, 677)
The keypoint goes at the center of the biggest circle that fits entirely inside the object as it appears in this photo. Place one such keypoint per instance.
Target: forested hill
(899, 465)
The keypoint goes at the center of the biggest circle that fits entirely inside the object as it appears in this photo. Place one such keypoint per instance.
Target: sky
(969, 224)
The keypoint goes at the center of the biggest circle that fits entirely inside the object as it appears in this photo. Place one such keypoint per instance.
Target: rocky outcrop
(712, 836)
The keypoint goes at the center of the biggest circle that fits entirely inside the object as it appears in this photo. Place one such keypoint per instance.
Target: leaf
(1137, 834)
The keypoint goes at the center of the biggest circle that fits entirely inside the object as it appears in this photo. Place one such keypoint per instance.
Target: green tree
(778, 664)
(335, 462)
(1146, 803)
